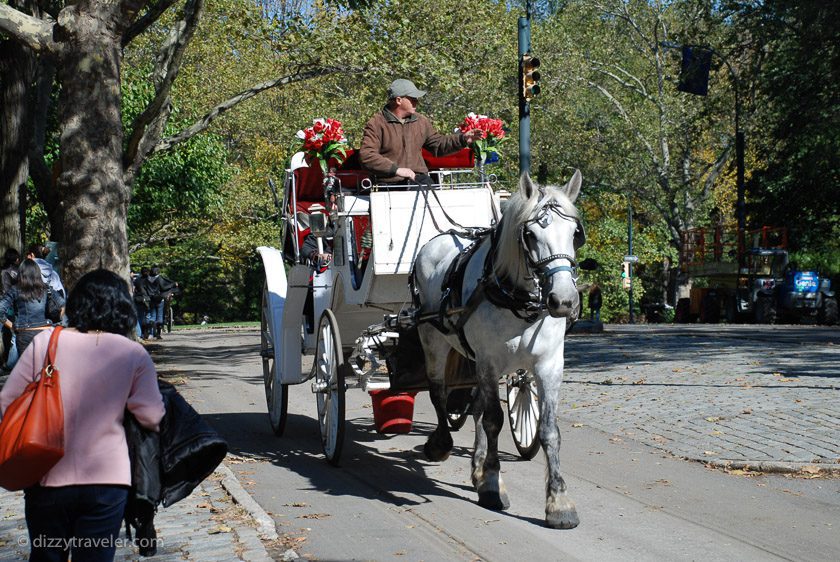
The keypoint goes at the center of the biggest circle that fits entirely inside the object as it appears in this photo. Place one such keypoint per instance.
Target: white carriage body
(401, 222)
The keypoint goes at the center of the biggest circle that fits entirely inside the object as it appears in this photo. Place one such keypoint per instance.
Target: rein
(523, 303)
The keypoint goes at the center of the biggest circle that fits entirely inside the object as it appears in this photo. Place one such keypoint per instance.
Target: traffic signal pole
(524, 105)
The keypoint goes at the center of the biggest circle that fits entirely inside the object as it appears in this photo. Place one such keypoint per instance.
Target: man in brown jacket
(394, 137)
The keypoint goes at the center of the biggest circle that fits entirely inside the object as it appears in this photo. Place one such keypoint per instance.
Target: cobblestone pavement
(206, 526)
(763, 397)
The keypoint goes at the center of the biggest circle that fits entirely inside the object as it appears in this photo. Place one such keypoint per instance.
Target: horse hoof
(435, 453)
(565, 519)
(493, 500)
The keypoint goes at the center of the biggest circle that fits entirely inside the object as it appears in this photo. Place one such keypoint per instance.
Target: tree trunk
(93, 198)
(16, 71)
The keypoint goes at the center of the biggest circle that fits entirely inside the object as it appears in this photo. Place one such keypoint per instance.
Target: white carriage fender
(277, 287)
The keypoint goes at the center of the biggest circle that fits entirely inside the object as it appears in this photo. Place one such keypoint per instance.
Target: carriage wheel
(329, 387)
(523, 401)
(276, 394)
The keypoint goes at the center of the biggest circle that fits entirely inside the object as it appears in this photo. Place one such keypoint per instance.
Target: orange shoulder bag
(32, 430)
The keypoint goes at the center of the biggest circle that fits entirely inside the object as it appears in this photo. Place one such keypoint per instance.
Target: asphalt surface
(642, 403)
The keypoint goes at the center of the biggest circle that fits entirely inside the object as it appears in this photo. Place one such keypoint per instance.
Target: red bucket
(392, 411)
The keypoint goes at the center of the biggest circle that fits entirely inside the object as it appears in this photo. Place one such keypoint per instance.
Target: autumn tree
(86, 191)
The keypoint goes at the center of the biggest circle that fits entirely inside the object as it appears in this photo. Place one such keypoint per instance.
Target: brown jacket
(388, 144)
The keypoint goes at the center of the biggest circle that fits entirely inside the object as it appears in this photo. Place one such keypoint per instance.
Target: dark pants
(142, 310)
(80, 520)
(24, 338)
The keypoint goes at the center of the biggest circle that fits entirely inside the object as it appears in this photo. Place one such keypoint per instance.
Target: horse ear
(526, 186)
(572, 189)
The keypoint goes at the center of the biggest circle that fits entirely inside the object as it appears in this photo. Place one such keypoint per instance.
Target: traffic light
(530, 76)
(694, 73)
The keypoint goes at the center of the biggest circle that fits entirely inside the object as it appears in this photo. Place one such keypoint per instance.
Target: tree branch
(621, 111)
(146, 20)
(33, 32)
(148, 126)
(204, 122)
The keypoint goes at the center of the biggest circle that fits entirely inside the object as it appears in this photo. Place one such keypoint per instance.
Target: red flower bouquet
(324, 141)
(492, 133)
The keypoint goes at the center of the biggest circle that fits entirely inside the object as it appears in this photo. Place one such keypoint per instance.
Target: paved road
(637, 500)
(760, 396)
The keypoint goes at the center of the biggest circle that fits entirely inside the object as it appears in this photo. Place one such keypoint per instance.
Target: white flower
(301, 135)
(471, 115)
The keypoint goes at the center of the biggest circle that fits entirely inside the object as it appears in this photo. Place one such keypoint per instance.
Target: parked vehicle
(762, 286)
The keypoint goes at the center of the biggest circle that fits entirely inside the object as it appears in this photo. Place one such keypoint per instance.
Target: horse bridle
(543, 273)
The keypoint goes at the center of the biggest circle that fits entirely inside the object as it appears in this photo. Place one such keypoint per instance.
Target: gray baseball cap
(402, 88)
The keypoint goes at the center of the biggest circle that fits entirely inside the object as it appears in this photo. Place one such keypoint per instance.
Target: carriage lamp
(318, 224)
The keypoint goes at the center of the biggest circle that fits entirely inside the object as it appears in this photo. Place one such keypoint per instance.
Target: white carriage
(347, 313)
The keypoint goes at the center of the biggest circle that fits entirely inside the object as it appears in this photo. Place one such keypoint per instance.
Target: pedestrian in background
(38, 253)
(142, 301)
(595, 303)
(35, 306)
(9, 276)
(81, 500)
(156, 287)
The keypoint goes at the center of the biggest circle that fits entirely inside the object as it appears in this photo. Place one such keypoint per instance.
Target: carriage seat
(463, 159)
(309, 181)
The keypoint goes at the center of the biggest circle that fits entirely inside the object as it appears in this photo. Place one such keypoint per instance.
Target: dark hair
(38, 250)
(100, 301)
(30, 284)
(10, 258)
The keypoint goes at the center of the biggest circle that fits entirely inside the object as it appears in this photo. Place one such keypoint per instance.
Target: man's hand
(473, 135)
(407, 173)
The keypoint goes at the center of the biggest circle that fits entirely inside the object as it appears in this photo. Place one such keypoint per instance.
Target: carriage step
(267, 353)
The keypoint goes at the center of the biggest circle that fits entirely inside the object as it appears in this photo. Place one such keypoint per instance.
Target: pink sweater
(101, 374)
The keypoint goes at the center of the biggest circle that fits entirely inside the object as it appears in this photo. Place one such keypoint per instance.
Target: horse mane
(520, 207)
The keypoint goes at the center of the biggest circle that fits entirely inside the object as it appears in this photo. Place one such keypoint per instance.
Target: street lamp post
(524, 36)
(740, 207)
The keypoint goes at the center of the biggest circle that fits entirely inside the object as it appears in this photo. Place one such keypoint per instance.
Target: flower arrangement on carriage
(325, 142)
(492, 134)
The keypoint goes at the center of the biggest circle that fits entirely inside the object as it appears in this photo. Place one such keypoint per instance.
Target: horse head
(542, 226)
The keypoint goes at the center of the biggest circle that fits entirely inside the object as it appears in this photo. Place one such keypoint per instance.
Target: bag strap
(49, 358)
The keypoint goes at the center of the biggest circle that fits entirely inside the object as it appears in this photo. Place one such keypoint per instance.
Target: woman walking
(79, 504)
(33, 304)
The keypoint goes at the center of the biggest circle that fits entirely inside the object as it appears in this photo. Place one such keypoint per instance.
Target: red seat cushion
(310, 181)
(464, 158)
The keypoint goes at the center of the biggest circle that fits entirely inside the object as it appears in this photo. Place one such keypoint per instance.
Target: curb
(775, 467)
(265, 524)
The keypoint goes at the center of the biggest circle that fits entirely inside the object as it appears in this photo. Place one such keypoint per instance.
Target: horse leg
(560, 512)
(486, 475)
(439, 444)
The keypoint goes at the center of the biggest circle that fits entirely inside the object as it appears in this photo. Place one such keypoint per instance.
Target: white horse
(519, 290)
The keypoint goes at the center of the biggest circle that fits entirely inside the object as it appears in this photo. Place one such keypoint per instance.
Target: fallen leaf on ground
(315, 516)
(219, 529)
(296, 504)
(577, 425)
(810, 469)
(640, 381)
(746, 411)
(710, 453)
(713, 419)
